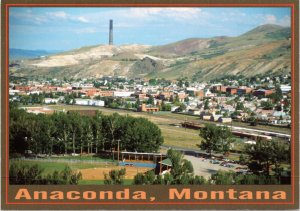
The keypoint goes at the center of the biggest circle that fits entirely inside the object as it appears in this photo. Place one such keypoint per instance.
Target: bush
(115, 177)
(24, 174)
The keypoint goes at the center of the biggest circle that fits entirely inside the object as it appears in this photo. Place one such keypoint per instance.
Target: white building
(13, 92)
(51, 100)
(122, 94)
(89, 102)
(285, 88)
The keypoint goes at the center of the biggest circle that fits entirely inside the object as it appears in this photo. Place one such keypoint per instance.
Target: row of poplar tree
(65, 133)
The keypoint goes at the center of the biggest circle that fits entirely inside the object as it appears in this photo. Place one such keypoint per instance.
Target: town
(264, 100)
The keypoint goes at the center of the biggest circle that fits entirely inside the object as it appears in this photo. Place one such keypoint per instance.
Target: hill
(266, 48)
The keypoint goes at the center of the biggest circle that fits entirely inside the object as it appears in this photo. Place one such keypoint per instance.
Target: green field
(50, 166)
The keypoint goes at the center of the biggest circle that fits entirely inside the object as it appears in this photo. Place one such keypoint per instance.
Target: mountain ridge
(262, 49)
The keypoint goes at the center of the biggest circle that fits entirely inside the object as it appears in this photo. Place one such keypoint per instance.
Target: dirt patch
(98, 173)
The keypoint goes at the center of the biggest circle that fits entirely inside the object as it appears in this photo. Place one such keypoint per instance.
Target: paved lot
(203, 167)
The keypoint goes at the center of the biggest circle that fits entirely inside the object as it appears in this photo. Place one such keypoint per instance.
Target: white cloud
(285, 21)
(82, 19)
(160, 12)
(270, 19)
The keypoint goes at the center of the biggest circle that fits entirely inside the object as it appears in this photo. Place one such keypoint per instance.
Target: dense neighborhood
(260, 100)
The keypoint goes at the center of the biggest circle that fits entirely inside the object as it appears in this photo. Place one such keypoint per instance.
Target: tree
(144, 179)
(180, 166)
(75, 126)
(206, 104)
(151, 100)
(277, 95)
(139, 134)
(215, 138)
(239, 106)
(266, 153)
(63, 131)
(267, 105)
(152, 82)
(98, 135)
(24, 174)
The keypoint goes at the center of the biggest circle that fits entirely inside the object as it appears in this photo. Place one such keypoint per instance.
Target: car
(214, 162)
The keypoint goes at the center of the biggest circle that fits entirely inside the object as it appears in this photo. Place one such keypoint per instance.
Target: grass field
(92, 173)
(50, 166)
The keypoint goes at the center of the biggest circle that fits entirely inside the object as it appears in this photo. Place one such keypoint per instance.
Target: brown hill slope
(265, 48)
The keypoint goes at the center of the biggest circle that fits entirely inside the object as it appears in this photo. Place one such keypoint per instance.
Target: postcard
(149, 105)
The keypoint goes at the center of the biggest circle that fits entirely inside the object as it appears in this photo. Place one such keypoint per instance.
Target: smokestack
(110, 32)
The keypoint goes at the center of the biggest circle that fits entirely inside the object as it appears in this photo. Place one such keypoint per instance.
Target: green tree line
(64, 133)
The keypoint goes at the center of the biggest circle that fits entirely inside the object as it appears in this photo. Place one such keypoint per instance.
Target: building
(243, 90)
(51, 100)
(89, 102)
(205, 116)
(225, 120)
(105, 93)
(122, 94)
(215, 117)
(231, 90)
(262, 92)
(218, 88)
(148, 108)
(194, 111)
(22, 88)
(285, 88)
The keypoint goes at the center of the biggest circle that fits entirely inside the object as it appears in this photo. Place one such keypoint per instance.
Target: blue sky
(65, 28)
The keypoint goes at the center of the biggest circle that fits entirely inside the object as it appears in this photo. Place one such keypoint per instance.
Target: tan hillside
(265, 48)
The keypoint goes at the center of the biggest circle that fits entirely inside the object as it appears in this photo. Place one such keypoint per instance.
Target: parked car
(214, 162)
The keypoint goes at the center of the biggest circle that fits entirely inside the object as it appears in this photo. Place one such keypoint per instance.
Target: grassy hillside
(266, 48)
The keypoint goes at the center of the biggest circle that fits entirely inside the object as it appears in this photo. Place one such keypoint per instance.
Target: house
(122, 94)
(263, 114)
(279, 114)
(215, 117)
(285, 88)
(209, 94)
(165, 95)
(225, 120)
(205, 116)
(51, 100)
(194, 111)
(181, 96)
(242, 116)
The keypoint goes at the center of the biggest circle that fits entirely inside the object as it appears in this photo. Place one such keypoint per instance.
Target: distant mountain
(266, 48)
(15, 53)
